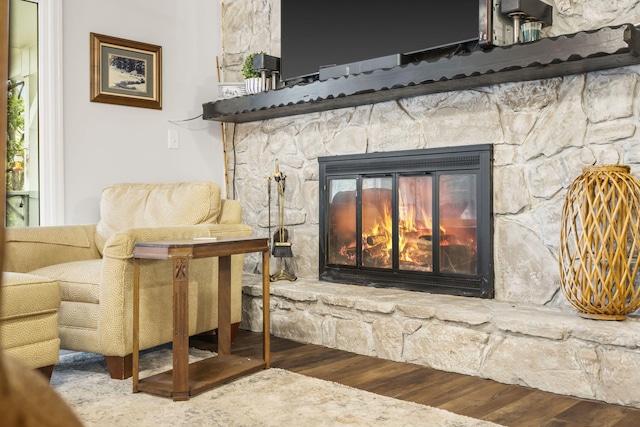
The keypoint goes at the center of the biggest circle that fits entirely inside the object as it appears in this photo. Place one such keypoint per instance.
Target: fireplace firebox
(418, 220)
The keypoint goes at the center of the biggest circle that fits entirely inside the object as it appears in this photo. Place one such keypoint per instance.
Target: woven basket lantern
(600, 243)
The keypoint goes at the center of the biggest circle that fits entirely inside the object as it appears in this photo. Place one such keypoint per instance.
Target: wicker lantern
(600, 243)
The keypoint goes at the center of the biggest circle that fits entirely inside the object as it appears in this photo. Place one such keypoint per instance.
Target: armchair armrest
(30, 248)
(122, 244)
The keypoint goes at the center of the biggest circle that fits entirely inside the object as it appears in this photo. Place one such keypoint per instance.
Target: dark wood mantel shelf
(606, 48)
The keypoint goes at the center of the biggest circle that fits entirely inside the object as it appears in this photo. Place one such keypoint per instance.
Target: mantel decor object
(231, 90)
(600, 243)
(125, 72)
(255, 85)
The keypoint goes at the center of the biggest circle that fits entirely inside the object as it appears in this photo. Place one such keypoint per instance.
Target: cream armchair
(94, 266)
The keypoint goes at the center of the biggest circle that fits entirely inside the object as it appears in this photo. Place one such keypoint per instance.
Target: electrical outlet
(174, 139)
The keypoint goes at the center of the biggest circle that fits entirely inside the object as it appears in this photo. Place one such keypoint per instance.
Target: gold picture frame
(125, 72)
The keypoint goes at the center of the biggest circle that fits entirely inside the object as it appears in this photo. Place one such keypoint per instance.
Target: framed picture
(125, 72)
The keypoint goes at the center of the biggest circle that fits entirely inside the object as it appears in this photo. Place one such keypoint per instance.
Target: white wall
(106, 144)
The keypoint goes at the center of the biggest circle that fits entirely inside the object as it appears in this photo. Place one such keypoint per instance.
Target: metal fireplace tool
(281, 245)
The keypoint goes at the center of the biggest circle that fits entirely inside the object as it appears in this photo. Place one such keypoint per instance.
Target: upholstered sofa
(29, 320)
(93, 264)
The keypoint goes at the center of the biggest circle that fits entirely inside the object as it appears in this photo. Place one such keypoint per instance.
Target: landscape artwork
(125, 72)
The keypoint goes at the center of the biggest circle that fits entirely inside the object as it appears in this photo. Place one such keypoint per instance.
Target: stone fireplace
(543, 132)
(378, 213)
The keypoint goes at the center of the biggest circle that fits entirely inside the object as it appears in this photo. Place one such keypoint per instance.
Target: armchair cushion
(80, 310)
(124, 206)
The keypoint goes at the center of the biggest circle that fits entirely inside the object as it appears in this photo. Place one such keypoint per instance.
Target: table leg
(266, 323)
(180, 328)
(224, 305)
(136, 324)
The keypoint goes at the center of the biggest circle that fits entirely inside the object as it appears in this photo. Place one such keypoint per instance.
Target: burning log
(349, 252)
(376, 256)
(378, 251)
(416, 244)
(421, 259)
(377, 240)
(417, 251)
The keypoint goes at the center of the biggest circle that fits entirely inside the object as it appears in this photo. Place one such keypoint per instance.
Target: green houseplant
(254, 83)
(247, 68)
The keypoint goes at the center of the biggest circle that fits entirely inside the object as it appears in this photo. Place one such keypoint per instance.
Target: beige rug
(272, 397)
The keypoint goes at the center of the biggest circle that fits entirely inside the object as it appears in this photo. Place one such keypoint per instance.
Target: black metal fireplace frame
(475, 158)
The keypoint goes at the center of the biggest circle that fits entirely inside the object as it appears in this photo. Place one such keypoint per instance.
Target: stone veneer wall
(544, 132)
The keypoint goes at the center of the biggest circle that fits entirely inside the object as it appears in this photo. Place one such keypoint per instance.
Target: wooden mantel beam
(605, 48)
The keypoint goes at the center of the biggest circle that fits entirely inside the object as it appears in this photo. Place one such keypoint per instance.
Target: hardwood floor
(504, 404)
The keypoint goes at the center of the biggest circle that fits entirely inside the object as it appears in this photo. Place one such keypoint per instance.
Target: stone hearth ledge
(546, 348)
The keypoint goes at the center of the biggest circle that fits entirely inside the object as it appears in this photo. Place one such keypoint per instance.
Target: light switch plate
(174, 139)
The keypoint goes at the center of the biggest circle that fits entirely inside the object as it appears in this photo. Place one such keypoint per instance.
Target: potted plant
(14, 166)
(253, 79)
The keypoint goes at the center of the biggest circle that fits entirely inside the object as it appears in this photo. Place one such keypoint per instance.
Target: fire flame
(415, 235)
(414, 238)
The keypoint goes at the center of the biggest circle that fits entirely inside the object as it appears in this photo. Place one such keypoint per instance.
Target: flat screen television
(318, 34)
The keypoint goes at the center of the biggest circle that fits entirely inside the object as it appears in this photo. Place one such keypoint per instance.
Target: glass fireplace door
(370, 216)
(416, 219)
(361, 222)
(458, 217)
(377, 221)
(415, 222)
(342, 227)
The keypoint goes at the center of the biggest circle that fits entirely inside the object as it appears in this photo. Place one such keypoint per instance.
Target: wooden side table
(186, 379)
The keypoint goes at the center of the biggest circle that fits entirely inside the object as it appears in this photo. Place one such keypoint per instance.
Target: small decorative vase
(600, 243)
(255, 85)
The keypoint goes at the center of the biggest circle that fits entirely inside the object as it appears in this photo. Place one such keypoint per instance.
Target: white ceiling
(23, 24)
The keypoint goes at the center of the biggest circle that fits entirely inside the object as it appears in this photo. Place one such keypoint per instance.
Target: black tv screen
(324, 33)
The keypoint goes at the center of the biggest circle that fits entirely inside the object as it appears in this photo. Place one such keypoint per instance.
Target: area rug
(272, 397)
